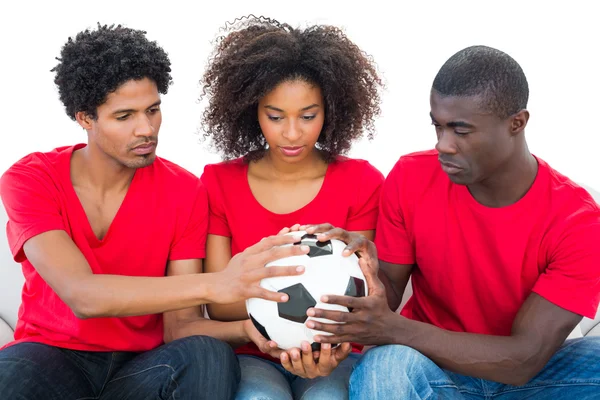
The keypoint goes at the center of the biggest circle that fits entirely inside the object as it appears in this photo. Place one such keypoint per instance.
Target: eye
(461, 133)
(154, 110)
(275, 118)
(123, 117)
(309, 117)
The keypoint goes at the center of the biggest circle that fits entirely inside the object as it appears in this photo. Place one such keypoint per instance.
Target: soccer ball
(326, 272)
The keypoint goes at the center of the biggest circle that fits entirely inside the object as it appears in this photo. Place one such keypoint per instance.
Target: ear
(519, 122)
(84, 120)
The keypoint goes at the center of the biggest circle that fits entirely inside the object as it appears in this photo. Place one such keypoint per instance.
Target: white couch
(11, 282)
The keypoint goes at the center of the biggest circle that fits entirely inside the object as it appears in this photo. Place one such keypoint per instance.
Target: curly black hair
(97, 62)
(257, 54)
(485, 71)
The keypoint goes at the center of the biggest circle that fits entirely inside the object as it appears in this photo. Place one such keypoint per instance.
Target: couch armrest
(6, 333)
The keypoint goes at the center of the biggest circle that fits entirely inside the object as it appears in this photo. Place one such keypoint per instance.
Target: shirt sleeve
(191, 243)
(362, 215)
(217, 219)
(32, 204)
(572, 278)
(391, 238)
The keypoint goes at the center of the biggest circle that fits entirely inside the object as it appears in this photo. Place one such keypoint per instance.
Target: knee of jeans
(202, 351)
(390, 360)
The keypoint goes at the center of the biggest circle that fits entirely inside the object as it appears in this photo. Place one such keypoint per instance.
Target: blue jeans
(265, 380)
(196, 367)
(399, 372)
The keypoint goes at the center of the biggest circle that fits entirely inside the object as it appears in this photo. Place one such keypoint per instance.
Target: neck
(280, 169)
(508, 185)
(93, 169)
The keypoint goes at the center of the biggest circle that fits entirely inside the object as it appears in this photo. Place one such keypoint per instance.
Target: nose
(445, 141)
(144, 126)
(292, 131)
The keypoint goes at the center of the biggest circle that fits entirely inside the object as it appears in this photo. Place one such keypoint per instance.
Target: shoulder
(568, 199)
(215, 174)
(356, 167)
(166, 175)
(36, 168)
(418, 169)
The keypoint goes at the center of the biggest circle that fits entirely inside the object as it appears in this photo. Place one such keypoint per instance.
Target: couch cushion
(6, 333)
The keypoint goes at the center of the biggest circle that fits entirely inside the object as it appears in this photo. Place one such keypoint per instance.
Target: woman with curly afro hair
(284, 105)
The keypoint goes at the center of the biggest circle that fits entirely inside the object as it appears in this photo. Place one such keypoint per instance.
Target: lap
(38, 371)
(196, 367)
(262, 379)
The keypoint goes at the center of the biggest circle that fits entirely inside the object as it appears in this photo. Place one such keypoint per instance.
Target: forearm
(393, 294)
(230, 332)
(505, 359)
(228, 312)
(99, 295)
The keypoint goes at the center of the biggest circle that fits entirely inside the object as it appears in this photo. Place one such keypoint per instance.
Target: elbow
(524, 370)
(82, 304)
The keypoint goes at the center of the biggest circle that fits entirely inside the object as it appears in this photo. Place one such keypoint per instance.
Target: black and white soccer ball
(326, 272)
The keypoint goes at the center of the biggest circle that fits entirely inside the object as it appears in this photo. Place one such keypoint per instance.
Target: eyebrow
(455, 124)
(303, 109)
(130, 110)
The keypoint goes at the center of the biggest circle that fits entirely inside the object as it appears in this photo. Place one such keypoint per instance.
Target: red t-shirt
(163, 217)
(349, 199)
(475, 265)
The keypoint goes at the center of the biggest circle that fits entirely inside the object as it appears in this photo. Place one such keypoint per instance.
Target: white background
(556, 43)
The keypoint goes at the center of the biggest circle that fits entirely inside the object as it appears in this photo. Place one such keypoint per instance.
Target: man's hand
(370, 319)
(304, 363)
(355, 241)
(240, 280)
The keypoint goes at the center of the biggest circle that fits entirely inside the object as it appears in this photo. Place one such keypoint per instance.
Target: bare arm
(62, 265)
(218, 254)
(191, 321)
(394, 278)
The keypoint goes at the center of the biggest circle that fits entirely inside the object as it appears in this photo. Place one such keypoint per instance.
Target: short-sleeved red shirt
(475, 265)
(163, 217)
(348, 198)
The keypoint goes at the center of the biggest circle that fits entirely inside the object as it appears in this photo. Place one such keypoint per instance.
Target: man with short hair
(502, 250)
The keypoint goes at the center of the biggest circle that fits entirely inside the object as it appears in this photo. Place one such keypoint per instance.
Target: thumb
(370, 273)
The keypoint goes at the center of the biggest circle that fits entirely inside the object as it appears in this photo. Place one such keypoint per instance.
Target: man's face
(473, 144)
(127, 126)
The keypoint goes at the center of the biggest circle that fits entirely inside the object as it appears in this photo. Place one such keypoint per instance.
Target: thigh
(394, 371)
(196, 367)
(37, 371)
(573, 372)
(262, 379)
(334, 386)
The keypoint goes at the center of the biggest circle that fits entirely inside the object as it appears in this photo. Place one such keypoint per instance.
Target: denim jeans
(265, 380)
(196, 367)
(399, 372)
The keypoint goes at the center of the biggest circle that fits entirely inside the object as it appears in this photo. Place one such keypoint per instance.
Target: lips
(145, 148)
(450, 168)
(291, 151)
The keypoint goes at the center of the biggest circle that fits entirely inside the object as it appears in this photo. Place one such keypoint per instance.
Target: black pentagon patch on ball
(317, 248)
(295, 308)
(355, 287)
(260, 328)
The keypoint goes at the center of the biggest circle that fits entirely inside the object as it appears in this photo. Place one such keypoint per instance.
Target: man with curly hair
(97, 226)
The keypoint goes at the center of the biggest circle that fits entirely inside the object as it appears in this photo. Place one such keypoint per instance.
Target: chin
(140, 161)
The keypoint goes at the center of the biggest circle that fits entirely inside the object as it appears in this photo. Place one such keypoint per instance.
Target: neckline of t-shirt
(301, 209)
(90, 234)
(523, 203)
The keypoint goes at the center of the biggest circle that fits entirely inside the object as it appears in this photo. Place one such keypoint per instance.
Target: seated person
(97, 226)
